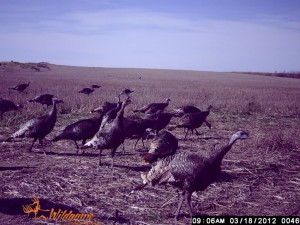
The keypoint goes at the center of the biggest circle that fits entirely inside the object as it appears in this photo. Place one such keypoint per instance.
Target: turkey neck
(206, 113)
(120, 114)
(53, 111)
(219, 152)
(98, 118)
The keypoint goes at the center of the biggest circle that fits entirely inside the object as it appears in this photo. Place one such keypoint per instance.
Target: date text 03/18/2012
(247, 220)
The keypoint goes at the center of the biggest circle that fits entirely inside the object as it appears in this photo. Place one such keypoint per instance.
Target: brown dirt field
(260, 176)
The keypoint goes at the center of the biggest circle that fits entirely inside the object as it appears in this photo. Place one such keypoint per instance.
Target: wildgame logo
(64, 216)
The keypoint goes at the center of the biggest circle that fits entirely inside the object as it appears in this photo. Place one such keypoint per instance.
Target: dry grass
(260, 175)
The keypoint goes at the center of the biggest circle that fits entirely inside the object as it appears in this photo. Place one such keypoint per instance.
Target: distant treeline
(277, 74)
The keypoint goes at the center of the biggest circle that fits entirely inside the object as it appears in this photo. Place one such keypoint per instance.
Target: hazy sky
(214, 35)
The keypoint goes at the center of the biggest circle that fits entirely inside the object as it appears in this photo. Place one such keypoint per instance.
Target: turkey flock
(109, 128)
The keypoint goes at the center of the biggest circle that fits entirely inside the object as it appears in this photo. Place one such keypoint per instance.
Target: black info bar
(248, 220)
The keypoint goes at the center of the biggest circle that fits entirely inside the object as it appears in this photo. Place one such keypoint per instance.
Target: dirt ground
(260, 176)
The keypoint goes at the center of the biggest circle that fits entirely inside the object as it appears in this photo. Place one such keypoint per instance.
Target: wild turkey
(126, 92)
(7, 105)
(82, 129)
(20, 87)
(189, 172)
(180, 111)
(193, 120)
(110, 136)
(155, 122)
(105, 107)
(153, 107)
(87, 91)
(45, 99)
(93, 86)
(159, 120)
(136, 127)
(164, 144)
(38, 128)
(87, 128)
(111, 114)
(152, 116)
